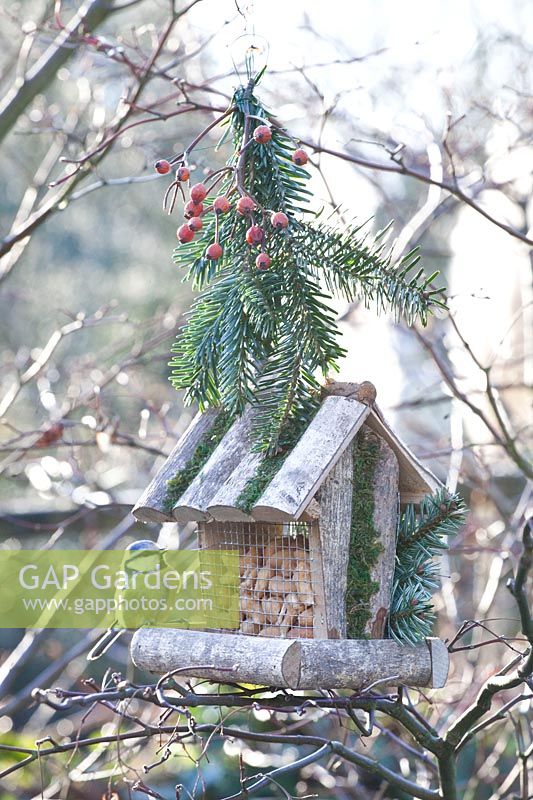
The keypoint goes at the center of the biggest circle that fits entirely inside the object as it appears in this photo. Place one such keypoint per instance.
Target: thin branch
(17, 99)
(502, 682)
(402, 169)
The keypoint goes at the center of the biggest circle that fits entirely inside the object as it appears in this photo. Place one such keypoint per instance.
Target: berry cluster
(194, 209)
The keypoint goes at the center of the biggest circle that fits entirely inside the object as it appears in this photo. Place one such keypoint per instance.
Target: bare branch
(89, 16)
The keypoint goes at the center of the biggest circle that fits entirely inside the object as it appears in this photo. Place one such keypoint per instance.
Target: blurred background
(91, 303)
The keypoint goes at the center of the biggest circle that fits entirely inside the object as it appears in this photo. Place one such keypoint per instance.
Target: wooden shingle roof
(214, 492)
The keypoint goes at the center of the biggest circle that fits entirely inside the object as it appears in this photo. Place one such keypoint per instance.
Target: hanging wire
(247, 12)
(251, 52)
(248, 52)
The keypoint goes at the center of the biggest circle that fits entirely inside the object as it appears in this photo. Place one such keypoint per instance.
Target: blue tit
(134, 563)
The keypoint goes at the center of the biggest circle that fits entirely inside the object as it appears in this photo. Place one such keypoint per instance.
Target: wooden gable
(290, 495)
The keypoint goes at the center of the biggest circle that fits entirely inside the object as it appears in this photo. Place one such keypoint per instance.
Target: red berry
(214, 251)
(221, 204)
(254, 234)
(262, 134)
(162, 166)
(195, 224)
(300, 157)
(192, 209)
(245, 205)
(183, 174)
(279, 220)
(198, 193)
(185, 234)
(263, 261)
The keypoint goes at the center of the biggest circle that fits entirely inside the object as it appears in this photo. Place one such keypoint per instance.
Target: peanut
(263, 576)
(275, 553)
(272, 630)
(249, 627)
(250, 606)
(305, 591)
(305, 619)
(297, 633)
(294, 603)
(271, 608)
(249, 579)
(279, 585)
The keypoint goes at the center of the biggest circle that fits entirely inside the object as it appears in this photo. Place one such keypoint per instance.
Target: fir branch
(421, 537)
(439, 516)
(355, 267)
(267, 337)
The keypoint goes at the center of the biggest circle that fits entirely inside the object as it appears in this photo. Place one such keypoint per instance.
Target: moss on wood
(182, 479)
(256, 485)
(365, 547)
(272, 464)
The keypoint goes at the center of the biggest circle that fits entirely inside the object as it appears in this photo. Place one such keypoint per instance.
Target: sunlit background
(447, 86)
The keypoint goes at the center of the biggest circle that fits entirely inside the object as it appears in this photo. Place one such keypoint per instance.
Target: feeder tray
(294, 545)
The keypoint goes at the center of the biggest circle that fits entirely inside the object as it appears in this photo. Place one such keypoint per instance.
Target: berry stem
(220, 173)
(241, 163)
(198, 139)
(216, 227)
(172, 192)
(244, 147)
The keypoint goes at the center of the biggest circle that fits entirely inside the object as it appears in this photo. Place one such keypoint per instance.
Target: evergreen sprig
(266, 337)
(421, 538)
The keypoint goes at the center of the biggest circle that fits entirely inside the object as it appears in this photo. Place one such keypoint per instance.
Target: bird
(135, 560)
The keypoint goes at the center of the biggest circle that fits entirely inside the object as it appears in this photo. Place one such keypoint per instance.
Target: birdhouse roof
(215, 491)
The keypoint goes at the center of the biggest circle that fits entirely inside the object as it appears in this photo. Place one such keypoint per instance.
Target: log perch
(290, 663)
(220, 657)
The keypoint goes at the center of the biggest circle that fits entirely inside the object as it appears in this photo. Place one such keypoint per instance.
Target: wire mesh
(276, 568)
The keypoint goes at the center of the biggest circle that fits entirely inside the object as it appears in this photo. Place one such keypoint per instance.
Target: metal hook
(249, 54)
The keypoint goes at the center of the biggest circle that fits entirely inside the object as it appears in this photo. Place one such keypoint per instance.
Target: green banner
(120, 589)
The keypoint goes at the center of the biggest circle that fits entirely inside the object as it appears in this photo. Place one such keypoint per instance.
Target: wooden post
(320, 626)
(290, 663)
(385, 520)
(335, 498)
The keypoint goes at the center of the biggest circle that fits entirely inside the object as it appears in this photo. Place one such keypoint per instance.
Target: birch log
(416, 480)
(192, 505)
(355, 664)
(364, 392)
(223, 506)
(310, 462)
(290, 663)
(222, 657)
(150, 507)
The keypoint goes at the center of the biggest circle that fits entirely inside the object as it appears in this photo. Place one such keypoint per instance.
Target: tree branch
(21, 94)
(402, 169)
(501, 682)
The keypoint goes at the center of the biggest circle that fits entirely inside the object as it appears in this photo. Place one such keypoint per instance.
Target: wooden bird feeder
(295, 543)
